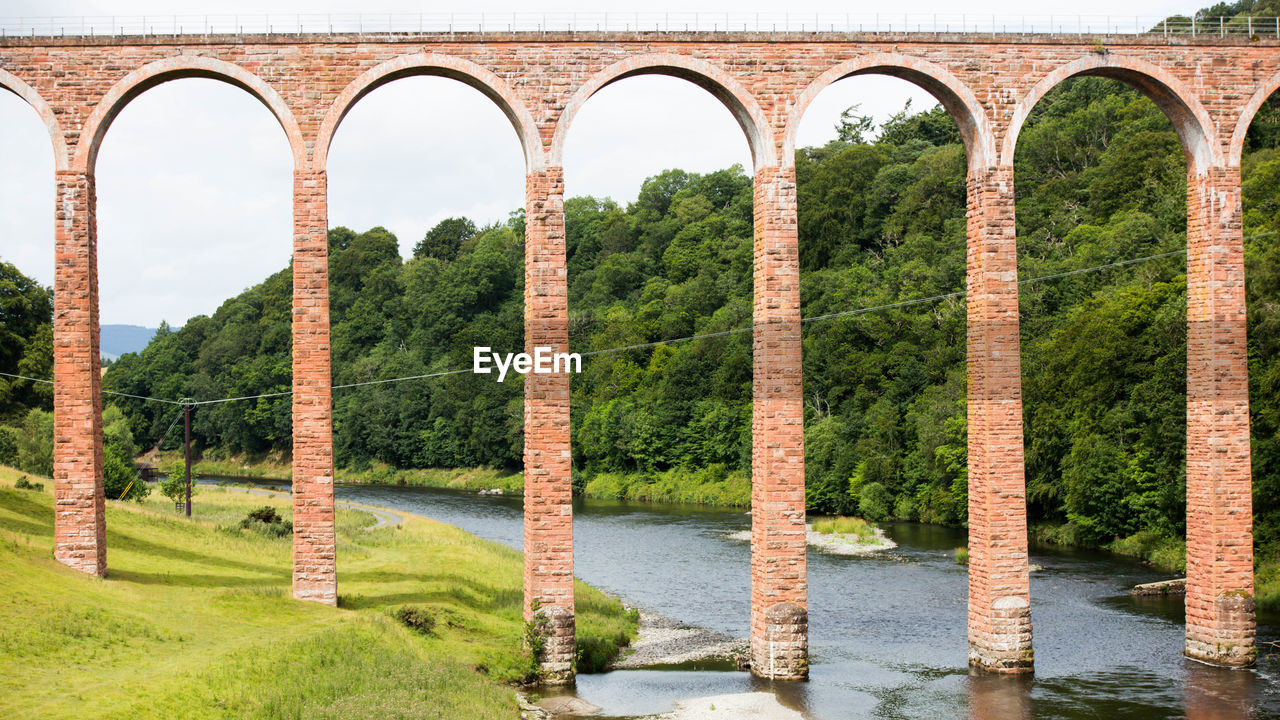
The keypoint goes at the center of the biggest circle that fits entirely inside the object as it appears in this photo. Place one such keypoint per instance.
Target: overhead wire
(671, 341)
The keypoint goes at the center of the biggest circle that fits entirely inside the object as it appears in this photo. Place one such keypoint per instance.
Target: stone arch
(1245, 118)
(15, 85)
(1188, 116)
(464, 71)
(723, 86)
(174, 68)
(959, 101)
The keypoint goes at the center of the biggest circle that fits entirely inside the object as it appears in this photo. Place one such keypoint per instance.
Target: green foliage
(23, 483)
(174, 485)
(35, 443)
(844, 526)
(116, 432)
(1161, 549)
(874, 502)
(536, 629)
(962, 556)
(445, 239)
(26, 343)
(120, 480)
(9, 439)
(264, 520)
(593, 654)
(854, 128)
(416, 618)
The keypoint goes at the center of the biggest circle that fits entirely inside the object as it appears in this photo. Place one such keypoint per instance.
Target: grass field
(195, 620)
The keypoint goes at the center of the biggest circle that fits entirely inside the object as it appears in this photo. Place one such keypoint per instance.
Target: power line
(672, 341)
(407, 377)
(193, 403)
(170, 429)
(104, 392)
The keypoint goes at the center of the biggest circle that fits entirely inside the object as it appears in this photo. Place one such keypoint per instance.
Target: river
(887, 632)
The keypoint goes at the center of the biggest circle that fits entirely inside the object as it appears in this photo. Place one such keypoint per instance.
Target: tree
(445, 239)
(120, 479)
(174, 485)
(26, 342)
(35, 443)
(854, 128)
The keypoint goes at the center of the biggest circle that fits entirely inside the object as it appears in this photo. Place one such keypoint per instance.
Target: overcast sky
(194, 176)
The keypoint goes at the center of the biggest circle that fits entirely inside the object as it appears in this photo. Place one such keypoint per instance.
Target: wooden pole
(186, 421)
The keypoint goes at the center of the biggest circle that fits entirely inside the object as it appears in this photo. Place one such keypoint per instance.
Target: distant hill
(120, 339)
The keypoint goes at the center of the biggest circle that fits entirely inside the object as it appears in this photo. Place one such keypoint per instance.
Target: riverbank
(715, 486)
(276, 467)
(195, 619)
(662, 641)
(718, 487)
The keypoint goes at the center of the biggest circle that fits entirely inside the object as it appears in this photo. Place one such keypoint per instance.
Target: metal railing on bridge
(660, 22)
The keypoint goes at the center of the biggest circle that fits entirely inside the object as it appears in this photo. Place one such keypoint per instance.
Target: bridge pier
(80, 533)
(999, 573)
(1220, 623)
(315, 558)
(548, 489)
(779, 581)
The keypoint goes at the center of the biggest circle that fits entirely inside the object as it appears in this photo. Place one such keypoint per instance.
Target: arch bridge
(1209, 86)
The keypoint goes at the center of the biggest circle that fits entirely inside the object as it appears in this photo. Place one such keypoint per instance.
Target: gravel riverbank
(663, 641)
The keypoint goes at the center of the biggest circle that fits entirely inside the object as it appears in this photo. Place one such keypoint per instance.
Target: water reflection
(999, 697)
(1220, 694)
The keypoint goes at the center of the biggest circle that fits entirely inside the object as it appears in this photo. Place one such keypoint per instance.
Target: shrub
(416, 618)
(874, 502)
(265, 514)
(266, 521)
(24, 484)
(1165, 551)
(962, 556)
(595, 653)
(120, 479)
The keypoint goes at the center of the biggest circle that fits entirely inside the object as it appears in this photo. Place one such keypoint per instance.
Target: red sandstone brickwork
(80, 532)
(548, 492)
(999, 579)
(779, 584)
(1210, 88)
(315, 552)
(1219, 604)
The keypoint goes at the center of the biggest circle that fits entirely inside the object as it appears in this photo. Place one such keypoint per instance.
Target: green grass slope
(195, 620)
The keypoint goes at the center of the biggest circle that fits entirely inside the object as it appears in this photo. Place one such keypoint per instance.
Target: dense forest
(1101, 178)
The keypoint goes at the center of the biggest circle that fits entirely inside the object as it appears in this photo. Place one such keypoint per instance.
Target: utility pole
(186, 421)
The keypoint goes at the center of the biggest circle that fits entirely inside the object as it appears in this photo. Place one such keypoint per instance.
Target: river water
(886, 632)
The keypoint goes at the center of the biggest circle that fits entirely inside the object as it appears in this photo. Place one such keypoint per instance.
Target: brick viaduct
(1209, 87)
